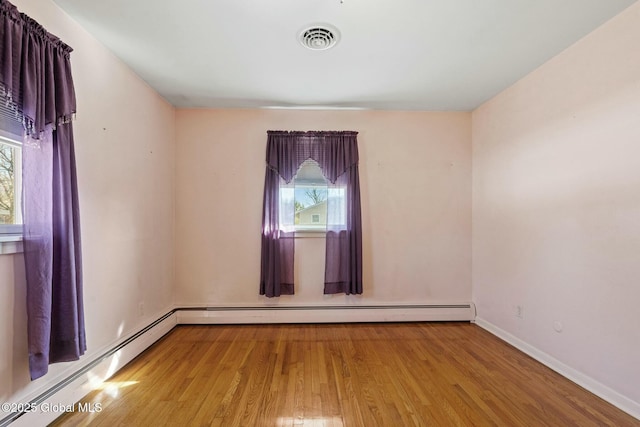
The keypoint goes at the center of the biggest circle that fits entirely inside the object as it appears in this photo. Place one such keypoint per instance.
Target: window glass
(10, 171)
(308, 194)
(9, 184)
(310, 197)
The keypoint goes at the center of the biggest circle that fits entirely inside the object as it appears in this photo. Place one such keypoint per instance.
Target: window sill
(10, 244)
(313, 234)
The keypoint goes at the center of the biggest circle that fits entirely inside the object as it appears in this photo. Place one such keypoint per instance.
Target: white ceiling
(437, 55)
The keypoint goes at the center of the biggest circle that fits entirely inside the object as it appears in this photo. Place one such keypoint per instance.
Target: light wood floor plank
(393, 374)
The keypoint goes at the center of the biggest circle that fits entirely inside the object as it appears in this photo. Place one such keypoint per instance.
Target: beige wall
(415, 183)
(556, 206)
(125, 137)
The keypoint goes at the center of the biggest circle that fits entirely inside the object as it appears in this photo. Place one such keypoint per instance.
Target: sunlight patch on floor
(310, 421)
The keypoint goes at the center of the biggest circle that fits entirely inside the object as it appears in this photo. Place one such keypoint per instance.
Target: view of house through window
(310, 197)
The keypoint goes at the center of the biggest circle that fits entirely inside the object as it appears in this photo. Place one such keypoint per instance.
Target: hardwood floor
(392, 374)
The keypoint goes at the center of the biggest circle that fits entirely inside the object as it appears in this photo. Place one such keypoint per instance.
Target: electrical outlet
(141, 309)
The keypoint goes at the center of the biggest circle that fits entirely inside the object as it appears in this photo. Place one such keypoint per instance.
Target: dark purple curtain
(35, 79)
(337, 156)
(276, 272)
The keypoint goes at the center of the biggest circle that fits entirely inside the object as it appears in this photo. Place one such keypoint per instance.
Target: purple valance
(335, 152)
(35, 72)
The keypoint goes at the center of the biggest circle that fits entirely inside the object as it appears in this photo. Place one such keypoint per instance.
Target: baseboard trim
(76, 385)
(618, 400)
(325, 314)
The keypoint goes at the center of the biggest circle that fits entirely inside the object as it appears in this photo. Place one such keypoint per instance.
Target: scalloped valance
(335, 151)
(35, 72)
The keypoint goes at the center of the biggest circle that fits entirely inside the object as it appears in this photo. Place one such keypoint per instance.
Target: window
(10, 172)
(44, 96)
(309, 193)
(10, 187)
(336, 154)
(310, 198)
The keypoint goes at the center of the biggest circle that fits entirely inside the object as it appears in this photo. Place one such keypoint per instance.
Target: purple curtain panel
(35, 80)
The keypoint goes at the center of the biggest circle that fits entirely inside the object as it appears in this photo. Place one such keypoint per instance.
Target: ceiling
(430, 55)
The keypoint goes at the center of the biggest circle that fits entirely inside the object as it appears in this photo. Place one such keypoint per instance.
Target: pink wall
(124, 136)
(415, 182)
(556, 208)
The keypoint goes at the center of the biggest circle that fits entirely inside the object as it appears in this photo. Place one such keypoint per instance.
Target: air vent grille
(319, 37)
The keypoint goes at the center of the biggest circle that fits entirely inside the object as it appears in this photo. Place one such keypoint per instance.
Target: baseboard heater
(73, 387)
(326, 314)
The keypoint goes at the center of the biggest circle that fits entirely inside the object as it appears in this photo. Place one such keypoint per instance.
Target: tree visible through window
(10, 170)
(310, 197)
(9, 183)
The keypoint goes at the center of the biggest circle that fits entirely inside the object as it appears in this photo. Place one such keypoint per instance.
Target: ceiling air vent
(319, 37)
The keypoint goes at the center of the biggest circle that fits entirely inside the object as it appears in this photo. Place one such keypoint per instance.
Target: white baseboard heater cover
(326, 314)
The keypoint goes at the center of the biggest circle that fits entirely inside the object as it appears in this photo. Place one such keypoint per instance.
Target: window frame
(13, 232)
(319, 182)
